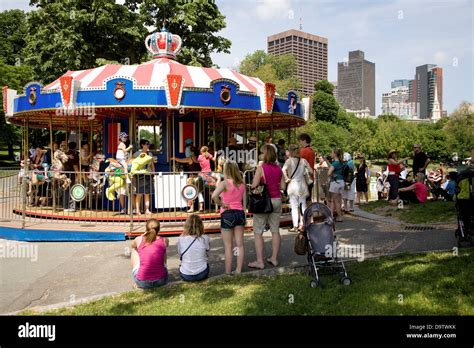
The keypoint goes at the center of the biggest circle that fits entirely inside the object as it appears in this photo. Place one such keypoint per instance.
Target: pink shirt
(421, 192)
(273, 176)
(205, 163)
(233, 196)
(152, 260)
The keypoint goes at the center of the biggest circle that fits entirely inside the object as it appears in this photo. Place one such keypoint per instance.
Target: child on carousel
(123, 154)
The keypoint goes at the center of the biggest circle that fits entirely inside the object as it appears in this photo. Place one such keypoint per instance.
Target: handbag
(301, 244)
(260, 203)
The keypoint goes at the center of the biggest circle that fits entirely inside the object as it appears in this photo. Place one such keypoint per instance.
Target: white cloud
(274, 9)
(441, 57)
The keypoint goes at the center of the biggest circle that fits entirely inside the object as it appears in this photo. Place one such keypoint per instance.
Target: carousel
(172, 106)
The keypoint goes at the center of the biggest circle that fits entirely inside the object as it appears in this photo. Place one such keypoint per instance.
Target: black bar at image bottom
(48, 330)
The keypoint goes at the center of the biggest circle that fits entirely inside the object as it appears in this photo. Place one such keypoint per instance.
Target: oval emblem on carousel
(225, 95)
(190, 192)
(119, 91)
(78, 193)
(32, 96)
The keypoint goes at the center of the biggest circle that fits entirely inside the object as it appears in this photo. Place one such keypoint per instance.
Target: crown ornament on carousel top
(163, 44)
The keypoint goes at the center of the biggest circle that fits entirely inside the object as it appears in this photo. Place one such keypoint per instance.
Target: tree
(460, 129)
(325, 86)
(280, 70)
(12, 36)
(325, 106)
(197, 22)
(15, 77)
(325, 136)
(73, 34)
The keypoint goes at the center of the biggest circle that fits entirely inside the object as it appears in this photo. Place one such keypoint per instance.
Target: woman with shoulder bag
(271, 174)
(294, 173)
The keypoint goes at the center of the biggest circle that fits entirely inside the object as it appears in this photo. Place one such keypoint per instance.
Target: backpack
(347, 173)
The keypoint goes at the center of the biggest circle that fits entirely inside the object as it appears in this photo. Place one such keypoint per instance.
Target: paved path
(67, 272)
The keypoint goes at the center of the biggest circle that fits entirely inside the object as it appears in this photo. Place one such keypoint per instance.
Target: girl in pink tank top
(229, 194)
(149, 257)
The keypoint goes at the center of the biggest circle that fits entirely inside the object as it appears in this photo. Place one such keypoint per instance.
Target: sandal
(257, 265)
(274, 264)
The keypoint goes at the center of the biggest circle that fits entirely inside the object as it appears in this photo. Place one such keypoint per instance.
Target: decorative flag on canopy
(67, 90)
(267, 98)
(174, 89)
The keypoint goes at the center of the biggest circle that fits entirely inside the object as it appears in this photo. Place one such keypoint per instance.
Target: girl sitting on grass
(149, 257)
(193, 246)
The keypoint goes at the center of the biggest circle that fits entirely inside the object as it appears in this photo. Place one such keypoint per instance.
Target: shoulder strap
(294, 171)
(263, 175)
(184, 252)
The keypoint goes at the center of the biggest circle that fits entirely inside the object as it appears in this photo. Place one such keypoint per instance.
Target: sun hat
(188, 141)
(123, 135)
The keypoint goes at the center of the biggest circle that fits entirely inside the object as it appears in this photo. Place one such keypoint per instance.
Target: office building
(310, 51)
(426, 91)
(356, 83)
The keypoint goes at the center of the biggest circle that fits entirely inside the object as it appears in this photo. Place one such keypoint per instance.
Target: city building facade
(356, 83)
(310, 51)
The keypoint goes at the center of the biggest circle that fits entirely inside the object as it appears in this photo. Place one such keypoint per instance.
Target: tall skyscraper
(356, 83)
(426, 91)
(311, 52)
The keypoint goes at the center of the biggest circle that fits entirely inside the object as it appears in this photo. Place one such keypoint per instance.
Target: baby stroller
(465, 206)
(321, 244)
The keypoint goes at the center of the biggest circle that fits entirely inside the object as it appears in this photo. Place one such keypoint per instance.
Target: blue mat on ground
(58, 235)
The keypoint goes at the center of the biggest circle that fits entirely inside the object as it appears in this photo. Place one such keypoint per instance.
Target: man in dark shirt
(71, 167)
(420, 160)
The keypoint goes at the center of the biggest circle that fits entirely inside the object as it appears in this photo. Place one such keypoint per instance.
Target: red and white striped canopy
(152, 75)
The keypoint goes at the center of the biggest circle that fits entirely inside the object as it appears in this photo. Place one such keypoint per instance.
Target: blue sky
(396, 35)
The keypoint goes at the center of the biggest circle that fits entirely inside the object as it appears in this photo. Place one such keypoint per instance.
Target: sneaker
(128, 181)
(191, 211)
(293, 229)
(123, 212)
(72, 210)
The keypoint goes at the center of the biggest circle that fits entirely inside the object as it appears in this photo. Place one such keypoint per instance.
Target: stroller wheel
(346, 281)
(314, 283)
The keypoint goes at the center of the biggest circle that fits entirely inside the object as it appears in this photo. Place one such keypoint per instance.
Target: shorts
(336, 186)
(193, 278)
(232, 218)
(148, 284)
(272, 219)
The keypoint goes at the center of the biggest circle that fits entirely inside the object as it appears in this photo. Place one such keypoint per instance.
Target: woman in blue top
(336, 185)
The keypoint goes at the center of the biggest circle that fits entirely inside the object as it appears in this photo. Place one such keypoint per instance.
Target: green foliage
(12, 36)
(325, 107)
(325, 86)
(280, 70)
(460, 130)
(195, 21)
(15, 77)
(325, 136)
(71, 35)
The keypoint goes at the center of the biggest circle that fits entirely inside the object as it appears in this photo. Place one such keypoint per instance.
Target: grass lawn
(410, 284)
(430, 212)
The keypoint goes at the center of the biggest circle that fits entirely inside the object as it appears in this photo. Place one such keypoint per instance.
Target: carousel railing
(108, 198)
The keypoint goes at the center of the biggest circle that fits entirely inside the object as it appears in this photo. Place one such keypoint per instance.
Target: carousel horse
(95, 178)
(58, 160)
(115, 173)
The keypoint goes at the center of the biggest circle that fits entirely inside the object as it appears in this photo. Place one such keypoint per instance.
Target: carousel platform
(44, 224)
